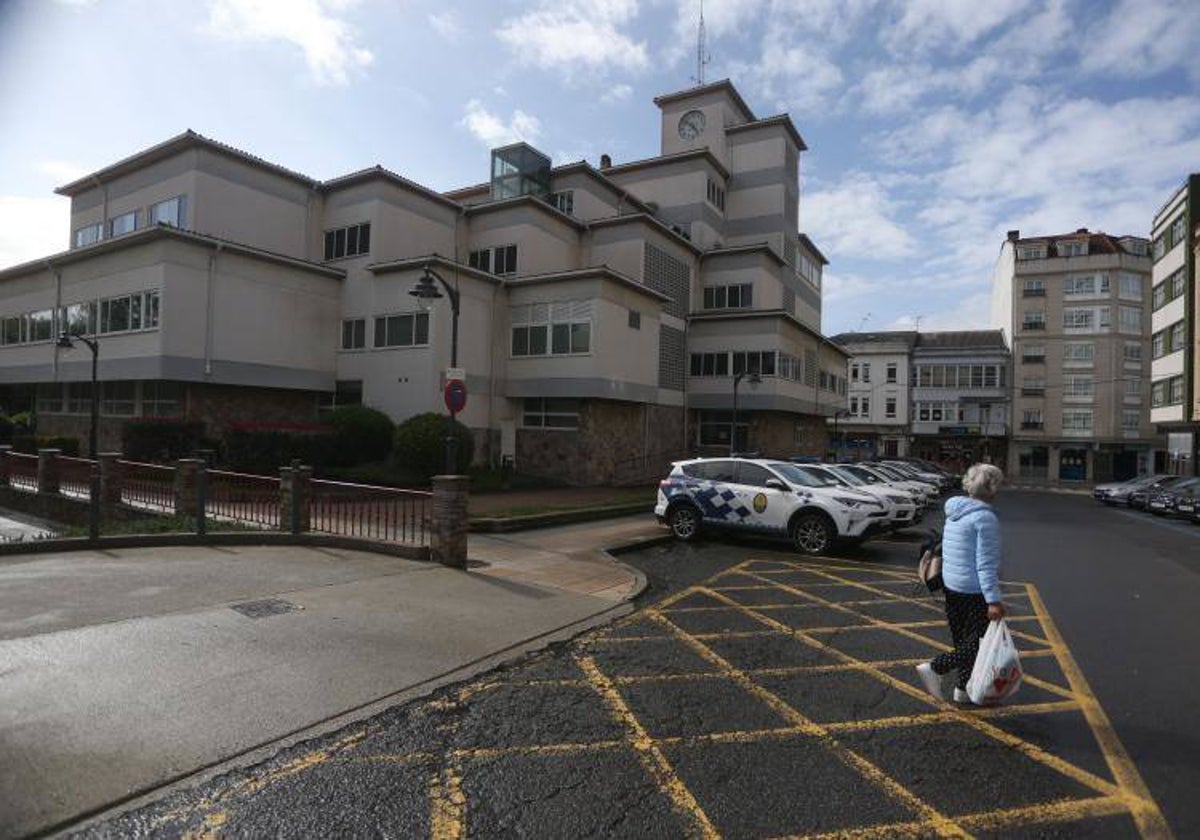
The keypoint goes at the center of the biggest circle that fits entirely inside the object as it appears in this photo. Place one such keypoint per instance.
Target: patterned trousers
(967, 614)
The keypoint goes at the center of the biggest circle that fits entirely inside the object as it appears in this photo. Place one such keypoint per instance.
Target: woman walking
(971, 574)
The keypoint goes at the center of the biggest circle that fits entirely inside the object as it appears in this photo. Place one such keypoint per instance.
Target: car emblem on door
(760, 502)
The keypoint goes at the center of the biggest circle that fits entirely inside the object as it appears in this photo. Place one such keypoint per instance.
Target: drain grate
(266, 607)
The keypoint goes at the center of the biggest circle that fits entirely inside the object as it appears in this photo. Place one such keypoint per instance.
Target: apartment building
(1175, 346)
(1075, 306)
(603, 314)
(960, 397)
(876, 420)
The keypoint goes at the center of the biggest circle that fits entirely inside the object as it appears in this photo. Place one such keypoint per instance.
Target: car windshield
(865, 474)
(847, 475)
(795, 474)
(889, 473)
(826, 477)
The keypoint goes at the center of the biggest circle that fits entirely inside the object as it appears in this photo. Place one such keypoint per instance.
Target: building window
(761, 362)
(125, 223)
(716, 194)
(635, 319)
(126, 313)
(1072, 248)
(1031, 252)
(161, 399)
(1079, 388)
(1078, 354)
(891, 372)
(88, 235)
(550, 413)
(738, 296)
(1177, 231)
(1178, 339)
(1078, 319)
(1129, 319)
(557, 329)
(889, 407)
(1034, 288)
(348, 241)
(1077, 421)
(170, 212)
(564, 201)
(499, 260)
(866, 371)
(1033, 386)
(1130, 286)
(1175, 395)
(1031, 418)
(408, 330)
(1158, 345)
(79, 398)
(1034, 321)
(1160, 248)
(118, 399)
(354, 333)
(1086, 285)
(1131, 420)
(1133, 389)
(854, 372)
(1033, 354)
(710, 364)
(1133, 352)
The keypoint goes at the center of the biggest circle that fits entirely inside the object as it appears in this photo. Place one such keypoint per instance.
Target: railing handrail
(25, 455)
(274, 479)
(352, 486)
(77, 460)
(167, 467)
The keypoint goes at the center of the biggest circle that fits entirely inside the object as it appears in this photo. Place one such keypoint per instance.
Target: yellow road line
(447, 805)
(649, 754)
(943, 825)
(1064, 810)
(483, 753)
(1146, 814)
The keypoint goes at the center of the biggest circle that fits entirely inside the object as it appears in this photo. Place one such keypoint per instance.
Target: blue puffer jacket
(971, 548)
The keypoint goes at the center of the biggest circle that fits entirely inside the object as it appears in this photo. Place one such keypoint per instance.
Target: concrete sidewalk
(122, 671)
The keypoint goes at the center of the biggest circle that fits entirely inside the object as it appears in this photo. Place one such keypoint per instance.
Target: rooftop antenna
(863, 322)
(917, 327)
(701, 49)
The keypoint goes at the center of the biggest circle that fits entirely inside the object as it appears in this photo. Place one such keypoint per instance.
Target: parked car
(901, 507)
(920, 492)
(1140, 496)
(1166, 502)
(931, 489)
(1118, 492)
(766, 498)
(939, 480)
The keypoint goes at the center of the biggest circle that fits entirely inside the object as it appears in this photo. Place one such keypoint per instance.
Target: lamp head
(64, 341)
(426, 291)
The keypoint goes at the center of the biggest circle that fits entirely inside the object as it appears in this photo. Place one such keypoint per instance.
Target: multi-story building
(1175, 345)
(960, 397)
(603, 313)
(1075, 306)
(876, 419)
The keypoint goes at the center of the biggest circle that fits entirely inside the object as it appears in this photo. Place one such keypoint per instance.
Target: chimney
(1014, 235)
(605, 162)
(1082, 230)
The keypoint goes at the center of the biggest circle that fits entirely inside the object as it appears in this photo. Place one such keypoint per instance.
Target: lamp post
(426, 292)
(64, 341)
(754, 379)
(837, 441)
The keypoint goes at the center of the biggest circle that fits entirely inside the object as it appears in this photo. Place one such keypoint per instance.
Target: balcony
(1032, 425)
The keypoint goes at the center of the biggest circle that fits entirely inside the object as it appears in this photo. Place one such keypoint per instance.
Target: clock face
(691, 125)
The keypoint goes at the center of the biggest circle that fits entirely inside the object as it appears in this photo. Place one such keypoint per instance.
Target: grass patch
(155, 525)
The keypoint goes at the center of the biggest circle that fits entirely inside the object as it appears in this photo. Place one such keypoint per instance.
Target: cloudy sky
(934, 126)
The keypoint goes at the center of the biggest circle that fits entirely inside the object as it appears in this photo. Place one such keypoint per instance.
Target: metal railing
(242, 498)
(148, 486)
(361, 510)
(75, 476)
(23, 471)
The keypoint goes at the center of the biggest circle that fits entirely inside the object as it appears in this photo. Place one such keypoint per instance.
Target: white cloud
(330, 44)
(952, 25)
(448, 24)
(615, 94)
(577, 36)
(853, 219)
(492, 130)
(1143, 38)
(972, 312)
(32, 227)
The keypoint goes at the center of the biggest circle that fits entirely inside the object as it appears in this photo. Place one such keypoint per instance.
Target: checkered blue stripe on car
(714, 500)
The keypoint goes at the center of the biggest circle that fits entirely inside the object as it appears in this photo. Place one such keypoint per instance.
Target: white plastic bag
(997, 672)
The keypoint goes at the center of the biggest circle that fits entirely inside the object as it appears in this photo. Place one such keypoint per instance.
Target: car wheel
(813, 533)
(684, 522)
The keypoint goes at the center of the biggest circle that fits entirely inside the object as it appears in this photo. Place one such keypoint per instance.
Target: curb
(508, 524)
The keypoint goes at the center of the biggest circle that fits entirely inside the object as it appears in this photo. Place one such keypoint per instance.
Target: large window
(1133, 352)
(961, 376)
(138, 311)
(1129, 319)
(564, 201)
(1167, 392)
(125, 223)
(889, 407)
(118, 399)
(410, 329)
(1079, 319)
(1085, 285)
(499, 260)
(557, 329)
(354, 333)
(1131, 420)
(88, 234)
(550, 413)
(1130, 287)
(170, 212)
(737, 296)
(161, 399)
(349, 241)
(1077, 421)
(716, 194)
(1078, 354)
(890, 373)
(1078, 388)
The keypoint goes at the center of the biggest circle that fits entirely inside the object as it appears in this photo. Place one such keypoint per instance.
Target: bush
(30, 444)
(161, 438)
(363, 435)
(263, 449)
(420, 446)
(6, 429)
(20, 423)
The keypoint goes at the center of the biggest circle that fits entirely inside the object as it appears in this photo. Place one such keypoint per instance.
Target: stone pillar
(186, 499)
(4, 450)
(111, 477)
(448, 528)
(295, 494)
(48, 471)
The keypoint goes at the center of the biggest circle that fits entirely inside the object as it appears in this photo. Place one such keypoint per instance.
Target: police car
(765, 497)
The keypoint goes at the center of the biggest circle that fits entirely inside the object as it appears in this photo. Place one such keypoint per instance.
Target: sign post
(454, 393)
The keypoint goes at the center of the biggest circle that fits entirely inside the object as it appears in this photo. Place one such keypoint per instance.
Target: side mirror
(775, 484)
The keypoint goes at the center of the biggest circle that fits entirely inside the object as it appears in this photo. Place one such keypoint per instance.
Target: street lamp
(64, 341)
(753, 379)
(837, 442)
(426, 292)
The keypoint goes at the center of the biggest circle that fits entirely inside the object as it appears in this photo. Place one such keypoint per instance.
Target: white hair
(983, 480)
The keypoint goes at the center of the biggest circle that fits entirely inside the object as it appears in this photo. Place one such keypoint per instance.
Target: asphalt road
(759, 693)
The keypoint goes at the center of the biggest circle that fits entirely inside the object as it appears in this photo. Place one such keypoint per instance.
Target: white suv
(901, 507)
(766, 497)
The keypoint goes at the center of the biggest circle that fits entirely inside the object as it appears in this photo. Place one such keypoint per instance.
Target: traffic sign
(455, 394)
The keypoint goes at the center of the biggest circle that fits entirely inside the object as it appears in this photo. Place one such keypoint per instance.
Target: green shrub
(161, 438)
(264, 450)
(6, 429)
(420, 446)
(30, 444)
(363, 435)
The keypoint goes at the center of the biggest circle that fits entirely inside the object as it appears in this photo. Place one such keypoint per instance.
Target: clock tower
(697, 118)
